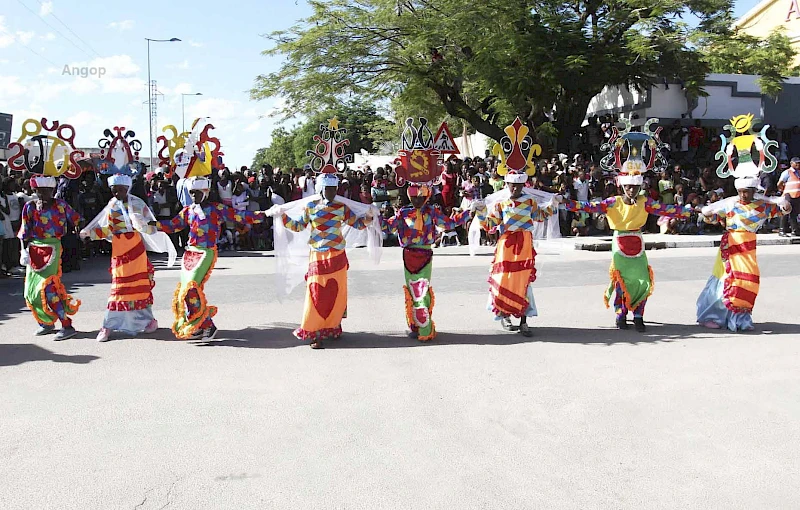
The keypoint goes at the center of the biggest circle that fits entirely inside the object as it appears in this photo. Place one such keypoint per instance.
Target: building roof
(753, 14)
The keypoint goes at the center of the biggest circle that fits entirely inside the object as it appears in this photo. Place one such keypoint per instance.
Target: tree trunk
(570, 114)
(455, 105)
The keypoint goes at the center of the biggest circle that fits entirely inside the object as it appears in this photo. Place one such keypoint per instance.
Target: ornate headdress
(328, 156)
(631, 154)
(418, 158)
(192, 153)
(516, 150)
(47, 151)
(742, 138)
(119, 156)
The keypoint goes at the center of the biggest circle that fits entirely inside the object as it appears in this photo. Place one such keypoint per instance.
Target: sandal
(317, 345)
(525, 330)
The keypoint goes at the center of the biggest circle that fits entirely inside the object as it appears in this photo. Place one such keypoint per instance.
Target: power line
(52, 27)
(70, 30)
(38, 54)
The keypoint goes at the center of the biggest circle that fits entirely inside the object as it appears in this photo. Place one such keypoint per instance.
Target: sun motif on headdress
(742, 123)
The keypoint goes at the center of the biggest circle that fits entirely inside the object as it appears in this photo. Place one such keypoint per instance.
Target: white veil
(722, 206)
(137, 215)
(548, 229)
(292, 248)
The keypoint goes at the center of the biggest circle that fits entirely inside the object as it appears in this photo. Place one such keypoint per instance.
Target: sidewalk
(663, 241)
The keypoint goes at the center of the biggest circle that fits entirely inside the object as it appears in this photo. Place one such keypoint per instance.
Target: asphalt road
(579, 416)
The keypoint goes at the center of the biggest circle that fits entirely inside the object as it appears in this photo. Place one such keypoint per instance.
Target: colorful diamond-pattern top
(326, 220)
(204, 232)
(116, 221)
(747, 217)
(406, 223)
(515, 215)
(47, 223)
(628, 217)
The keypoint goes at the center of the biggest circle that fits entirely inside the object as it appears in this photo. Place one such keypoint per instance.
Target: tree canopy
(366, 129)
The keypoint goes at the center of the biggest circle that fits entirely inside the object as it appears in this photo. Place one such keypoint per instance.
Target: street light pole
(149, 92)
(183, 117)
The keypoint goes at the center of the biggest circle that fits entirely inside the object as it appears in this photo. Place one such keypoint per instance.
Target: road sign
(444, 141)
(5, 130)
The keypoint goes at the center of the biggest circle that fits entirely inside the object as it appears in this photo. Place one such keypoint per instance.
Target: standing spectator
(790, 187)
(306, 183)
(15, 204)
(225, 187)
(5, 233)
(666, 189)
(696, 137)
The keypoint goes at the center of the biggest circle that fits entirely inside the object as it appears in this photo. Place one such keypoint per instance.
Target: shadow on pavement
(280, 337)
(17, 354)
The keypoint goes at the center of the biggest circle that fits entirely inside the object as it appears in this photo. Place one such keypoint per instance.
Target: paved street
(579, 416)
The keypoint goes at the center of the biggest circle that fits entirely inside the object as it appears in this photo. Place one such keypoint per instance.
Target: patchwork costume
(417, 229)
(45, 150)
(515, 220)
(631, 275)
(730, 292)
(190, 307)
(127, 224)
(323, 228)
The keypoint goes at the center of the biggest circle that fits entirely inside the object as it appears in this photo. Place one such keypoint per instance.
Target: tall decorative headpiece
(742, 139)
(516, 150)
(328, 155)
(46, 150)
(119, 152)
(418, 158)
(198, 156)
(633, 153)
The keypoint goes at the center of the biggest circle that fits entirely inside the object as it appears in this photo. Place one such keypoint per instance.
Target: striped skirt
(132, 282)
(513, 272)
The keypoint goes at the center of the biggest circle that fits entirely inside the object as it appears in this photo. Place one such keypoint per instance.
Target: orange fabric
(509, 288)
(742, 275)
(326, 291)
(130, 271)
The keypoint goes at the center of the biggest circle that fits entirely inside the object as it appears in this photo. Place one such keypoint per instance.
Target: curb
(605, 245)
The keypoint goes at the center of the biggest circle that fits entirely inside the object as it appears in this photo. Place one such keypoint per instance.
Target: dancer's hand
(369, 217)
(24, 257)
(558, 199)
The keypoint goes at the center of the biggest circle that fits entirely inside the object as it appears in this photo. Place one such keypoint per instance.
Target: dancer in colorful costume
(46, 220)
(730, 293)
(515, 213)
(204, 219)
(631, 275)
(416, 225)
(126, 223)
(326, 223)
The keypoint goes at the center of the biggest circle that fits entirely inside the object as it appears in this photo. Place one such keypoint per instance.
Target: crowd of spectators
(690, 178)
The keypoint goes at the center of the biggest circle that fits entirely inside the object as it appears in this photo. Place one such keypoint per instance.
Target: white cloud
(11, 86)
(183, 65)
(252, 127)
(49, 36)
(46, 8)
(195, 44)
(6, 37)
(25, 37)
(121, 25)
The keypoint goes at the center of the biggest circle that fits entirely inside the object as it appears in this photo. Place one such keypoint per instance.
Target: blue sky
(219, 56)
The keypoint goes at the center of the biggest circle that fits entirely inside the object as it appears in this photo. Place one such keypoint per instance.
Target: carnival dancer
(327, 224)
(125, 222)
(204, 219)
(631, 275)
(730, 293)
(325, 217)
(44, 222)
(515, 213)
(45, 150)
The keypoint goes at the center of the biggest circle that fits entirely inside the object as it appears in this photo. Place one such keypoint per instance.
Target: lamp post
(183, 117)
(149, 93)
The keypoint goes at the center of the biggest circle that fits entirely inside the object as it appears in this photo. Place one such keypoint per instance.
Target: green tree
(485, 62)
(772, 58)
(279, 154)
